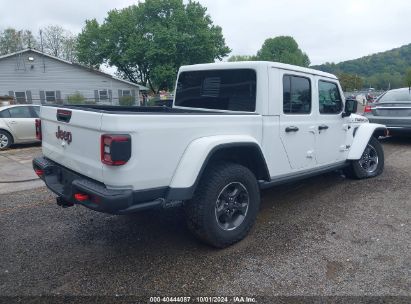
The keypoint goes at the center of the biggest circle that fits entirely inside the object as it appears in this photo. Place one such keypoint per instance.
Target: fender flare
(195, 160)
(362, 136)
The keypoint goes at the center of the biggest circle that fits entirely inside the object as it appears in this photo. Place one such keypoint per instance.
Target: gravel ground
(324, 236)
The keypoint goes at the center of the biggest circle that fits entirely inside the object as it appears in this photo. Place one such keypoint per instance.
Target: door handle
(13, 122)
(291, 129)
(322, 127)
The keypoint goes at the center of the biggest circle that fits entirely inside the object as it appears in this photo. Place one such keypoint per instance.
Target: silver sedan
(392, 109)
(17, 124)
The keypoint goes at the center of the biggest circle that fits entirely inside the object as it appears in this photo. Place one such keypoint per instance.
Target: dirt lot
(16, 168)
(324, 236)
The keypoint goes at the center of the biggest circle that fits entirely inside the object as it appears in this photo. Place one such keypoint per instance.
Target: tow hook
(63, 203)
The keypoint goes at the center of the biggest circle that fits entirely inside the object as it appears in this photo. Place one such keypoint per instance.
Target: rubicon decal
(64, 135)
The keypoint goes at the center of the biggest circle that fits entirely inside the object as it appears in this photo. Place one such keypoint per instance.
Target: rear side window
(392, 96)
(20, 112)
(5, 114)
(330, 98)
(233, 90)
(296, 95)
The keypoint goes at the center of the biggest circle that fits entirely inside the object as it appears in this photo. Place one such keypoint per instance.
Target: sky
(327, 30)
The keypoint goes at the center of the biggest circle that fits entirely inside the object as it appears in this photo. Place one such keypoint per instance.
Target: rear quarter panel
(159, 143)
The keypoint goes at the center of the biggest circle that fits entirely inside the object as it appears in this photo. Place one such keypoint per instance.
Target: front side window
(5, 114)
(103, 94)
(20, 112)
(296, 95)
(232, 90)
(20, 97)
(50, 96)
(329, 98)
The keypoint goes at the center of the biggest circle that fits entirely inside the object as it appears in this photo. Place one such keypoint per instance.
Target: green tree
(90, 46)
(283, 49)
(149, 41)
(235, 58)
(408, 78)
(12, 40)
(350, 82)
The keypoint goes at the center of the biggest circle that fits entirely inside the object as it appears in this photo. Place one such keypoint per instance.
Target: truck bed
(143, 110)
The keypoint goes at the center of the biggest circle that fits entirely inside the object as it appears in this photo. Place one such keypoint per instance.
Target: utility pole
(42, 51)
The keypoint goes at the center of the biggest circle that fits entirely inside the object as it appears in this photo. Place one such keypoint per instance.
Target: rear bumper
(66, 183)
(394, 130)
(394, 124)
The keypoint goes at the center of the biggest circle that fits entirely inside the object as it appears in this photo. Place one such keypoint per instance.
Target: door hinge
(346, 127)
(310, 154)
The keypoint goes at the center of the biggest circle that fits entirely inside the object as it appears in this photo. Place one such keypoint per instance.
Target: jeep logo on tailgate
(64, 135)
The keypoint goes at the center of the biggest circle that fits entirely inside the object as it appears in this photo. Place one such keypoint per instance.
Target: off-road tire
(201, 213)
(9, 139)
(356, 171)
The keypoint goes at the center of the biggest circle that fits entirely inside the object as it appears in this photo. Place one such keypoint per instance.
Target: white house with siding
(31, 76)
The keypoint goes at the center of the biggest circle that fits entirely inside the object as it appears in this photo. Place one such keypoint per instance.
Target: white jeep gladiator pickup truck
(234, 129)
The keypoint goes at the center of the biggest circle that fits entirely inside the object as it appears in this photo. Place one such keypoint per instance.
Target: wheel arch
(199, 155)
(362, 135)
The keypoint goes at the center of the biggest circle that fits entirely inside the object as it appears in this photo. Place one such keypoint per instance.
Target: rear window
(233, 90)
(390, 96)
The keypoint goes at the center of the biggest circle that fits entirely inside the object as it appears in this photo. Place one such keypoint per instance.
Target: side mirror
(350, 107)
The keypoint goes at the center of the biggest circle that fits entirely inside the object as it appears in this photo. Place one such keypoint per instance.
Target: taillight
(38, 129)
(367, 109)
(39, 172)
(81, 197)
(115, 149)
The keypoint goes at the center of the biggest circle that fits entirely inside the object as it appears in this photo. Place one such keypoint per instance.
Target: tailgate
(74, 144)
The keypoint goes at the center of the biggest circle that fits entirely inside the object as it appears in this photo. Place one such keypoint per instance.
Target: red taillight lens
(367, 109)
(81, 197)
(38, 129)
(39, 172)
(115, 149)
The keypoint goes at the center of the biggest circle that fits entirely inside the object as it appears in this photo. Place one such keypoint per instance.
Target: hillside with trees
(381, 71)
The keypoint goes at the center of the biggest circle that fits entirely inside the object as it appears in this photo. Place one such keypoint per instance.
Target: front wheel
(370, 164)
(5, 140)
(224, 206)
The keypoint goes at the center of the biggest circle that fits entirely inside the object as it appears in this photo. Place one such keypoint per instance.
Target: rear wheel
(370, 164)
(5, 140)
(224, 206)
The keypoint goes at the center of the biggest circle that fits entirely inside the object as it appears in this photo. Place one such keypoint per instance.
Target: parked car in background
(392, 109)
(17, 124)
(162, 102)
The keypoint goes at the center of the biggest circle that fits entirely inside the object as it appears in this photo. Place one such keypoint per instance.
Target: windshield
(392, 96)
(233, 90)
